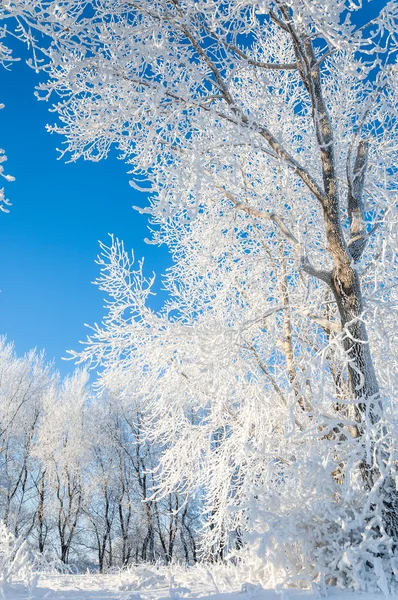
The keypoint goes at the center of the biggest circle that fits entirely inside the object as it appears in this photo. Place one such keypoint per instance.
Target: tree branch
(325, 323)
(260, 214)
(325, 276)
(358, 237)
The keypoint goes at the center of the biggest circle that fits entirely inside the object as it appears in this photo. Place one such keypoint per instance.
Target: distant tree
(76, 473)
(23, 384)
(62, 449)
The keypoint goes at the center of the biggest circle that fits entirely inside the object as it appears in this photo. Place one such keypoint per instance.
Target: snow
(162, 584)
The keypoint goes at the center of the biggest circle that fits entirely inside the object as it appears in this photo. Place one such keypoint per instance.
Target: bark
(344, 279)
(40, 515)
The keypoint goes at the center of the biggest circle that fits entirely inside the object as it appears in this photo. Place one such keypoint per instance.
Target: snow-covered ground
(148, 584)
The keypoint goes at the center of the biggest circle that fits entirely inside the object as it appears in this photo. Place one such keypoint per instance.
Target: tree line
(76, 472)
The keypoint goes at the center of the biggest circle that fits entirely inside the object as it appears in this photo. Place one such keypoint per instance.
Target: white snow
(163, 584)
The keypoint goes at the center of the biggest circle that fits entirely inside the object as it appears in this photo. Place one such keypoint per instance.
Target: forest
(77, 472)
(250, 422)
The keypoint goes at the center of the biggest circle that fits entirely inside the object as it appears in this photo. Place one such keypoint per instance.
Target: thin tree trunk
(40, 514)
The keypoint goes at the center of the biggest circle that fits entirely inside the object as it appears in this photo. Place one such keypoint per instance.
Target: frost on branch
(4, 203)
(5, 59)
(15, 564)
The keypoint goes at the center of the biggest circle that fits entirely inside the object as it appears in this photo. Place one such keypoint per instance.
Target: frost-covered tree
(265, 133)
(62, 449)
(23, 384)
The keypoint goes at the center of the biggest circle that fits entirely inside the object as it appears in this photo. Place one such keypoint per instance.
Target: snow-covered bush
(16, 569)
(323, 527)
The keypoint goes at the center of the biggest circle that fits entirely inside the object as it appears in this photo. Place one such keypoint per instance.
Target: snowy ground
(129, 586)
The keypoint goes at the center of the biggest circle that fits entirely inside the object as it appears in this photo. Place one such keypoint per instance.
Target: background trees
(23, 382)
(72, 471)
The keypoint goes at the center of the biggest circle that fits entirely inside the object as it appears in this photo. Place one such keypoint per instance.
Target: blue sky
(49, 240)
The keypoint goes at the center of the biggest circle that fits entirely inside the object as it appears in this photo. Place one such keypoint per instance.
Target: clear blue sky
(49, 240)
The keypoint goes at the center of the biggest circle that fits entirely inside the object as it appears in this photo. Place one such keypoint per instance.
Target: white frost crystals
(5, 58)
(16, 573)
(4, 203)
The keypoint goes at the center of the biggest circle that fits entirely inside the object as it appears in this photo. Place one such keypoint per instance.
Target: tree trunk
(347, 291)
(40, 514)
(344, 279)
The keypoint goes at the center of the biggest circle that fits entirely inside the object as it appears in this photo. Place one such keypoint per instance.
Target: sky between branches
(49, 240)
